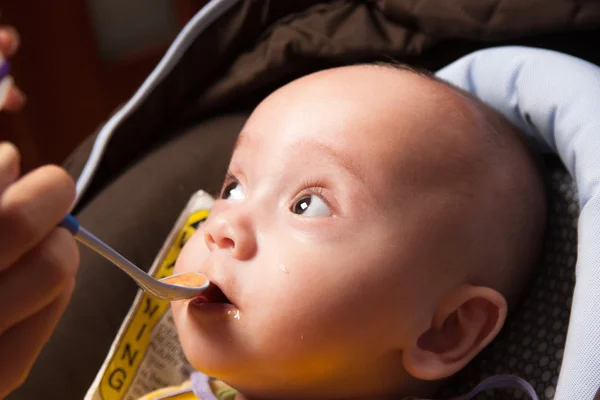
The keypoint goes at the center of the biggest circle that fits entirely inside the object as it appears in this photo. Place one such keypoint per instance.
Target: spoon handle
(89, 240)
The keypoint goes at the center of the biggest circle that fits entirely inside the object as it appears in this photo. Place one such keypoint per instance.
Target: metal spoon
(152, 286)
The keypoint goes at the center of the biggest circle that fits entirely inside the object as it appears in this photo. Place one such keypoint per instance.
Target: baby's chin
(219, 359)
(201, 352)
(206, 333)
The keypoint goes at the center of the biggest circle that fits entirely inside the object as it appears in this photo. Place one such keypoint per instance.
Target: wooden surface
(70, 89)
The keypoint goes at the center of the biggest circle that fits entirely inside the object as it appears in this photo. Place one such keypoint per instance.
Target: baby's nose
(231, 233)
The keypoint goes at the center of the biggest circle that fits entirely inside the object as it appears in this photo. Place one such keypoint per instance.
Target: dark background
(78, 60)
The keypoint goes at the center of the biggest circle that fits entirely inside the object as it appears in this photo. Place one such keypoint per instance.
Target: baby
(374, 228)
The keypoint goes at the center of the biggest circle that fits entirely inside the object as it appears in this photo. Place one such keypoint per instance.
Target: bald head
(509, 221)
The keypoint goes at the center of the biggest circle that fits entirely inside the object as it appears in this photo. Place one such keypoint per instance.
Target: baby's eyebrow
(342, 159)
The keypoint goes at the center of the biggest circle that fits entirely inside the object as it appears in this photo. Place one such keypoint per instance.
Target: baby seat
(173, 138)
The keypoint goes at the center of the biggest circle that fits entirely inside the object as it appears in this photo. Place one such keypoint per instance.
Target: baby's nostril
(226, 243)
(218, 241)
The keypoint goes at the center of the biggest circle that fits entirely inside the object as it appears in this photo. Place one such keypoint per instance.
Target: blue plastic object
(71, 224)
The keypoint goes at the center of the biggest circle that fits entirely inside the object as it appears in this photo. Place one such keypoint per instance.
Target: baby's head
(374, 228)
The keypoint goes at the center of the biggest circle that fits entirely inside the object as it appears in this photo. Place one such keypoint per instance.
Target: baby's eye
(311, 206)
(233, 191)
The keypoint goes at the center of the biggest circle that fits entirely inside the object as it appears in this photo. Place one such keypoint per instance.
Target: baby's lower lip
(198, 300)
(204, 302)
(216, 311)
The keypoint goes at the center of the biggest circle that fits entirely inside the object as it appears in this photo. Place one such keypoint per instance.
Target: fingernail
(4, 37)
(9, 40)
(15, 99)
(6, 147)
(8, 154)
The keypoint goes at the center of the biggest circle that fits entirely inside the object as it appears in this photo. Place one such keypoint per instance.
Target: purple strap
(500, 382)
(200, 386)
(4, 69)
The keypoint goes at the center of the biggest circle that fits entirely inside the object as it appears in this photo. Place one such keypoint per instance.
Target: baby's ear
(463, 324)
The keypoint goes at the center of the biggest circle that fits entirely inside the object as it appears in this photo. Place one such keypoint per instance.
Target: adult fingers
(30, 208)
(21, 345)
(15, 99)
(36, 279)
(10, 161)
(9, 40)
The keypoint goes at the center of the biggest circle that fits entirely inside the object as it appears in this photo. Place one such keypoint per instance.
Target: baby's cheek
(193, 254)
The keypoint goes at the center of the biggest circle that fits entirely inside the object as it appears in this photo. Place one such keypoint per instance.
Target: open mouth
(212, 295)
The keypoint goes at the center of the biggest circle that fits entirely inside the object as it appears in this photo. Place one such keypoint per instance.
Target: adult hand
(9, 44)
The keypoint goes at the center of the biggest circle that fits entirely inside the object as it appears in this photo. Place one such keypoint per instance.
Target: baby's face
(323, 239)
